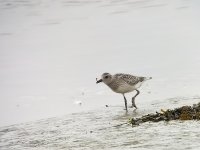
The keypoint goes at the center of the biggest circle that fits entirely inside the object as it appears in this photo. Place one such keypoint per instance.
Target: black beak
(98, 81)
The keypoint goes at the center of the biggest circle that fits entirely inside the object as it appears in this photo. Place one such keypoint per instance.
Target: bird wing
(130, 79)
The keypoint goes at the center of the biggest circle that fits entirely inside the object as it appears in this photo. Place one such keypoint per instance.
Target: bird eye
(106, 77)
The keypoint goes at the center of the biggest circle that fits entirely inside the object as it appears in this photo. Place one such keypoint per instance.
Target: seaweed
(181, 113)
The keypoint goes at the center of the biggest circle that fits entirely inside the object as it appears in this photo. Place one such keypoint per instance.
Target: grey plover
(123, 83)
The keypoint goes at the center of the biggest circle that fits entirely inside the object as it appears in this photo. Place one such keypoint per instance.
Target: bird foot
(133, 107)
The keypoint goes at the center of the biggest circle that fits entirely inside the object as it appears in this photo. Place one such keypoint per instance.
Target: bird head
(105, 78)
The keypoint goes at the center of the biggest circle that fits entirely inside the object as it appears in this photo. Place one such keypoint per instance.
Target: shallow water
(105, 128)
(52, 51)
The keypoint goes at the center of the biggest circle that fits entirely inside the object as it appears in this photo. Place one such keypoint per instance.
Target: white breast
(126, 88)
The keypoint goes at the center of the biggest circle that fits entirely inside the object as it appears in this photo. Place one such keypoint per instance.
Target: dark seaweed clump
(182, 113)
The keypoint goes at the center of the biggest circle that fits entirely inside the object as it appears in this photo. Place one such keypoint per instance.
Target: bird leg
(133, 99)
(125, 101)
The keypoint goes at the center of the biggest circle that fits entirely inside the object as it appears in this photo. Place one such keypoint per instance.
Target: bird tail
(147, 78)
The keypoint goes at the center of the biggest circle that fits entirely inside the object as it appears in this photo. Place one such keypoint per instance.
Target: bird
(123, 83)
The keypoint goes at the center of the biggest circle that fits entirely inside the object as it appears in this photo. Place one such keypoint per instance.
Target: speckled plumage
(123, 83)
